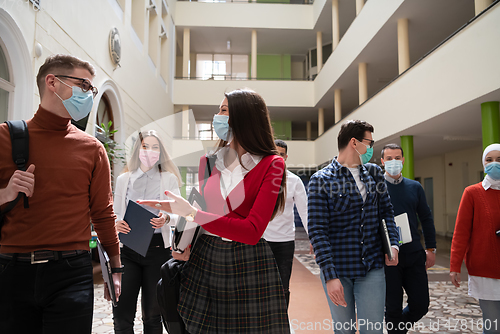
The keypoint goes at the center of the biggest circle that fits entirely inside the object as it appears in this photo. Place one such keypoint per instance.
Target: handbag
(169, 285)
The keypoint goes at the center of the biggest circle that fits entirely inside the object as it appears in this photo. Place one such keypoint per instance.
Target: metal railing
(229, 77)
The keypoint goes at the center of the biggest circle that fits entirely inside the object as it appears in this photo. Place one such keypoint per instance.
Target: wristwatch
(118, 270)
(191, 215)
(432, 250)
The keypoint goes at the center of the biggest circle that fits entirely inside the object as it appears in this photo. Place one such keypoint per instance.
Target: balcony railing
(229, 77)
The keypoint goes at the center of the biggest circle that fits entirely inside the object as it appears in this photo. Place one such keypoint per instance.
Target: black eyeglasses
(85, 85)
(371, 141)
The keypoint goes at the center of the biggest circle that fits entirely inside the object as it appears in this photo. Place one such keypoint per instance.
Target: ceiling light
(228, 44)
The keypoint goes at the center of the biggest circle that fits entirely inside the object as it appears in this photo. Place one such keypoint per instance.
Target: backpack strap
(208, 172)
(19, 137)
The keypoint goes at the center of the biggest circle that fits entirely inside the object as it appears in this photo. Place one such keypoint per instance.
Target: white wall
(244, 15)
(451, 173)
(82, 29)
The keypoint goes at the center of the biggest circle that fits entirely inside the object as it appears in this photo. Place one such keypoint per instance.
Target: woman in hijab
(476, 238)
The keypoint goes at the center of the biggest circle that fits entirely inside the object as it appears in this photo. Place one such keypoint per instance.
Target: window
(104, 113)
(164, 46)
(191, 181)
(206, 131)
(138, 19)
(154, 33)
(122, 4)
(6, 86)
(221, 66)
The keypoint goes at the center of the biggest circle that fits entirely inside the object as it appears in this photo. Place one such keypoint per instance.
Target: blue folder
(141, 230)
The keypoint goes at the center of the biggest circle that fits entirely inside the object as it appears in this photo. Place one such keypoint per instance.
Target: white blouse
(235, 173)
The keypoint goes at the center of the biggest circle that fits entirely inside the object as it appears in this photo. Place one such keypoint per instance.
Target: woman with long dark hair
(150, 172)
(231, 283)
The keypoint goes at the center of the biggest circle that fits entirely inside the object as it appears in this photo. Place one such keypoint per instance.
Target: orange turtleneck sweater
(72, 186)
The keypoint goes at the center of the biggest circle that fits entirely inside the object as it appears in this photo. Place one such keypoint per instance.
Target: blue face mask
(367, 156)
(221, 127)
(393, 167)
(493, 170)
(79, 104)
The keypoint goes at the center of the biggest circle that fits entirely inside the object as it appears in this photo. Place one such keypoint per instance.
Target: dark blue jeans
(53, 297)
(283, 254)
(410, 274)
(141, 272)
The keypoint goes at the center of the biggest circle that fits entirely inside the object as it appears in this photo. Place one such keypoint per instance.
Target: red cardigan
(247, 210)
(478, 219)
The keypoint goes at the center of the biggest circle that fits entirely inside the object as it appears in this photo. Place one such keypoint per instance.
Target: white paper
(404, 225)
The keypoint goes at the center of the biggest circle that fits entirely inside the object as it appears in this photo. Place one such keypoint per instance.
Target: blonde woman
(151, 172)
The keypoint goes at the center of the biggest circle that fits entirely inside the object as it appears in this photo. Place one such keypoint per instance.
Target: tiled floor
(451, 309)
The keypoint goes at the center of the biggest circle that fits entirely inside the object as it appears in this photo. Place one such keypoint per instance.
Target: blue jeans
(491, 315)
(366, 295)
(53, 297)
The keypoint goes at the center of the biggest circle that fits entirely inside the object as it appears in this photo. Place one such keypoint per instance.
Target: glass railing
(290, 2)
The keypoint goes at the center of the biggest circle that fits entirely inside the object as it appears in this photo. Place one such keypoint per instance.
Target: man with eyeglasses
(46, 279)
(345, 205)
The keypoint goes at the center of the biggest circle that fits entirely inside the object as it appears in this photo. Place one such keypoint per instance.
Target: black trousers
(141, 272)
(410, 274)
(52, 297)
(283, 253)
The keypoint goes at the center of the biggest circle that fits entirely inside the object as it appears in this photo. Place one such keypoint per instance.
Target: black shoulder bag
(169, 285)
(19, 137)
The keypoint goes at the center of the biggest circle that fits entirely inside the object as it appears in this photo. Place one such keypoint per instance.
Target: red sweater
(474, 236)
(247, 210)
(72, 186)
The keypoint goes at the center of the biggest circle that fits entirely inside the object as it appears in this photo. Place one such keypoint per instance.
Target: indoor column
(319, 50)
(408, 167)
(185, 122)
(321, 121)
(337, 101)
(185, 53)
(490, 119)
(363, 83)
(335, 24)
(253, 66)
(403, 46)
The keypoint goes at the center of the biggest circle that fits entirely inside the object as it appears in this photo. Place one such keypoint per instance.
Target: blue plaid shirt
(343, 229)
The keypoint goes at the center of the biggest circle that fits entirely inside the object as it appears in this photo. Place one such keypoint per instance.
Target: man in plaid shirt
(344, 206)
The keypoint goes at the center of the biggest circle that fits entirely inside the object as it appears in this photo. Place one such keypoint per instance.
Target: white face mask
(393, 167)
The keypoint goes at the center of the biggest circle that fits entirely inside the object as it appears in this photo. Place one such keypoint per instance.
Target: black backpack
(19, 137)
(169, 285)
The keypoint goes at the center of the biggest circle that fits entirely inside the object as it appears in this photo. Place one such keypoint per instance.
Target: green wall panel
(282, 129)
